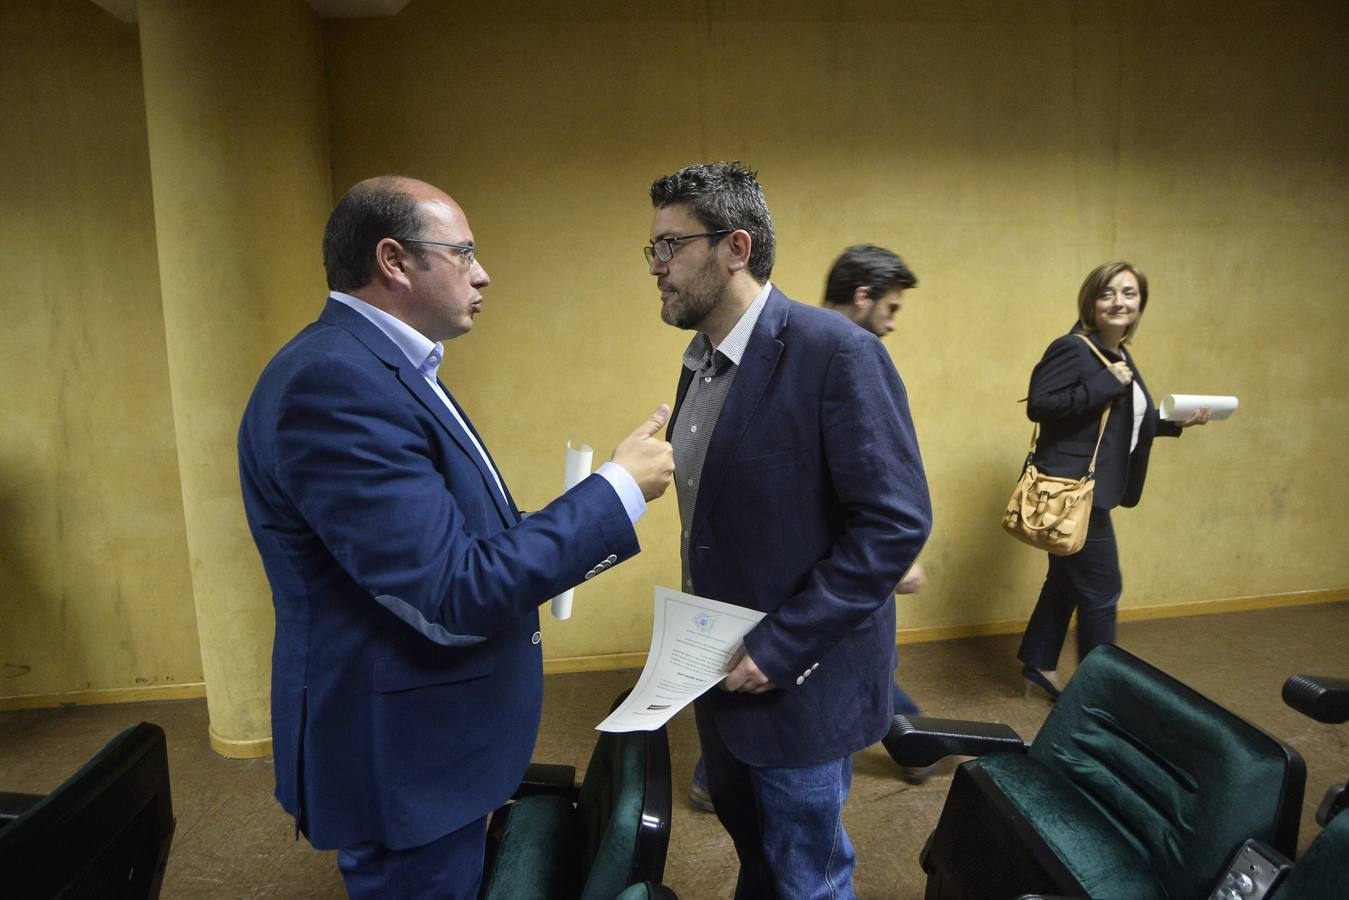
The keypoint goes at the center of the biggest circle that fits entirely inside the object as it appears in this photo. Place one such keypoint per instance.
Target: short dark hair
(724, 195)
(1096, 282)
(866, 265)
(370, 212)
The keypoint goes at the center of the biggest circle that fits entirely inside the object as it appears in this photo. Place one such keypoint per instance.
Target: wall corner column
(236, 115)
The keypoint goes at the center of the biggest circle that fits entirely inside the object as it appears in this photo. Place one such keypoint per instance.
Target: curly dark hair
(724, 195)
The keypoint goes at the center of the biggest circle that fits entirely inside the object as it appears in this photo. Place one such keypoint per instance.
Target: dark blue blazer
(813, 505)
(1069, 389)
(406, 669)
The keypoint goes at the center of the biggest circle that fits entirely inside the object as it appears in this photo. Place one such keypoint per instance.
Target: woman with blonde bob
(1069, 389)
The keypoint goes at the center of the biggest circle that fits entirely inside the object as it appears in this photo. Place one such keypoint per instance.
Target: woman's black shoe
(1035, 677)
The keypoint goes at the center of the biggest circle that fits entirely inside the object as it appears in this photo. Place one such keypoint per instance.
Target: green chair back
(624, 812)
(1183, 780)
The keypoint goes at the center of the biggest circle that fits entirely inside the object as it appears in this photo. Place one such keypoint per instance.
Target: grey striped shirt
(713, 374)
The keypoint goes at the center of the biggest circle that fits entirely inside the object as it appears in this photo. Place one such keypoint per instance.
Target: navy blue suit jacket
(406, 669)
(813, 505)
(1069, 389)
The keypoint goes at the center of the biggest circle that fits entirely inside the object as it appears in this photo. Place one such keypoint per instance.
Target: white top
(1140, 408)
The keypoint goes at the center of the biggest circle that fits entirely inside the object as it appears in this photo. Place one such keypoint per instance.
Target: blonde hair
(1095, 284)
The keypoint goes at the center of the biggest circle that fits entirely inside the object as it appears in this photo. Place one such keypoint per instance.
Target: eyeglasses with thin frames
(468, 252)
(664, 249)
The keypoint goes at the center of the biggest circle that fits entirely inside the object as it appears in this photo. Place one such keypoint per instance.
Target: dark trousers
(1089, 582)
(448, 868)
(903, 703)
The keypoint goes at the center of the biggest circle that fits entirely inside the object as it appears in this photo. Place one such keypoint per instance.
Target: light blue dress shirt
(426, 356)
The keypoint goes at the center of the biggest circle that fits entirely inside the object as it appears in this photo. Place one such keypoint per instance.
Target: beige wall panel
(236, 113)
(95, 591)
(1003, 149)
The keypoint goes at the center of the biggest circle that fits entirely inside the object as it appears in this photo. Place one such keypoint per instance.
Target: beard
(694, 301)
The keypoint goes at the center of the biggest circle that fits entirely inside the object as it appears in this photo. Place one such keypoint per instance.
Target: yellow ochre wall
(239, 172)
(95, 592)
(1002, 149)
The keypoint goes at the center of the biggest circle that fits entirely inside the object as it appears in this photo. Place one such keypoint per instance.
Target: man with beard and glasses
(801, 495)
(866, 284)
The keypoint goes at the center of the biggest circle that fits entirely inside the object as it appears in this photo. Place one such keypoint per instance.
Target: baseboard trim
(192, 691)
(604, 662)
(607, 662)
(1137, 614)
(231, 749)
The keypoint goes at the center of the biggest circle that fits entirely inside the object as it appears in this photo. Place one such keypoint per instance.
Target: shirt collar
(424, 354)
(734, 344)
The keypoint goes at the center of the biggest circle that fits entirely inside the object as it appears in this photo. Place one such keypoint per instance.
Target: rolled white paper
(576, 470)
(1179, 407)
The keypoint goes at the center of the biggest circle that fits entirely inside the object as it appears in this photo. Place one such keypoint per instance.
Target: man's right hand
(648, 459)
(913, 581)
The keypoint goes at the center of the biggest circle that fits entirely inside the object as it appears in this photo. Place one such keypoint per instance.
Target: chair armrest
(548, 778)
(14, 805)
(1320, 697)
(923, 741)
(1335, 802)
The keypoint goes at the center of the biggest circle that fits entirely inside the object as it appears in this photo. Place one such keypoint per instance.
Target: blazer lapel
(685, 379)
(508, 507)
(378, 343)
(751, 380)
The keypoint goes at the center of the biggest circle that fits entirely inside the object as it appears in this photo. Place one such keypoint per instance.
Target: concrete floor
(233, 841)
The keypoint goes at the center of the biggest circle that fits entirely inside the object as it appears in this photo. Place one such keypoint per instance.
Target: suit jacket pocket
(393, 673)
(771, 460)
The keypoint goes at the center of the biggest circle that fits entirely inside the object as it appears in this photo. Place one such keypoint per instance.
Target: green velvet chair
(1323, 871)
(102, 833)
(561, 841)
(648, 890)
(1136, 788)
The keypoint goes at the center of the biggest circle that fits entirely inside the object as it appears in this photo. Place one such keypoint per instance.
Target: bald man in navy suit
(407, 668)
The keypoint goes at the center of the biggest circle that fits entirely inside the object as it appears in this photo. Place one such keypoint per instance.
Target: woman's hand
(1199, 417)
(1122, 371)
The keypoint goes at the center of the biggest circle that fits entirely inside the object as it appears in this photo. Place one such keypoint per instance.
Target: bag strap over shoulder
(1099, 355)
(1105, 415)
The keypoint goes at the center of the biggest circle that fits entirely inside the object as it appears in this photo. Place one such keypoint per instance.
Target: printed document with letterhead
(692, 640)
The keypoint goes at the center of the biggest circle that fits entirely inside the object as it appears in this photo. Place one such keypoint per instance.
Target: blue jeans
(787, 824)
(1089, 581)
(903, 703)
(448, 868)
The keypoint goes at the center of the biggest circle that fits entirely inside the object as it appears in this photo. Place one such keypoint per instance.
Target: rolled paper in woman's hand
(1179, 407)
(576, 470)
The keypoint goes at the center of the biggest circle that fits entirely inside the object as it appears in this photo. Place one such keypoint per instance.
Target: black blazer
(1069, 390)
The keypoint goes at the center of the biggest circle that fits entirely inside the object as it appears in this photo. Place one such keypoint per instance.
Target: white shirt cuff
(626, 487)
